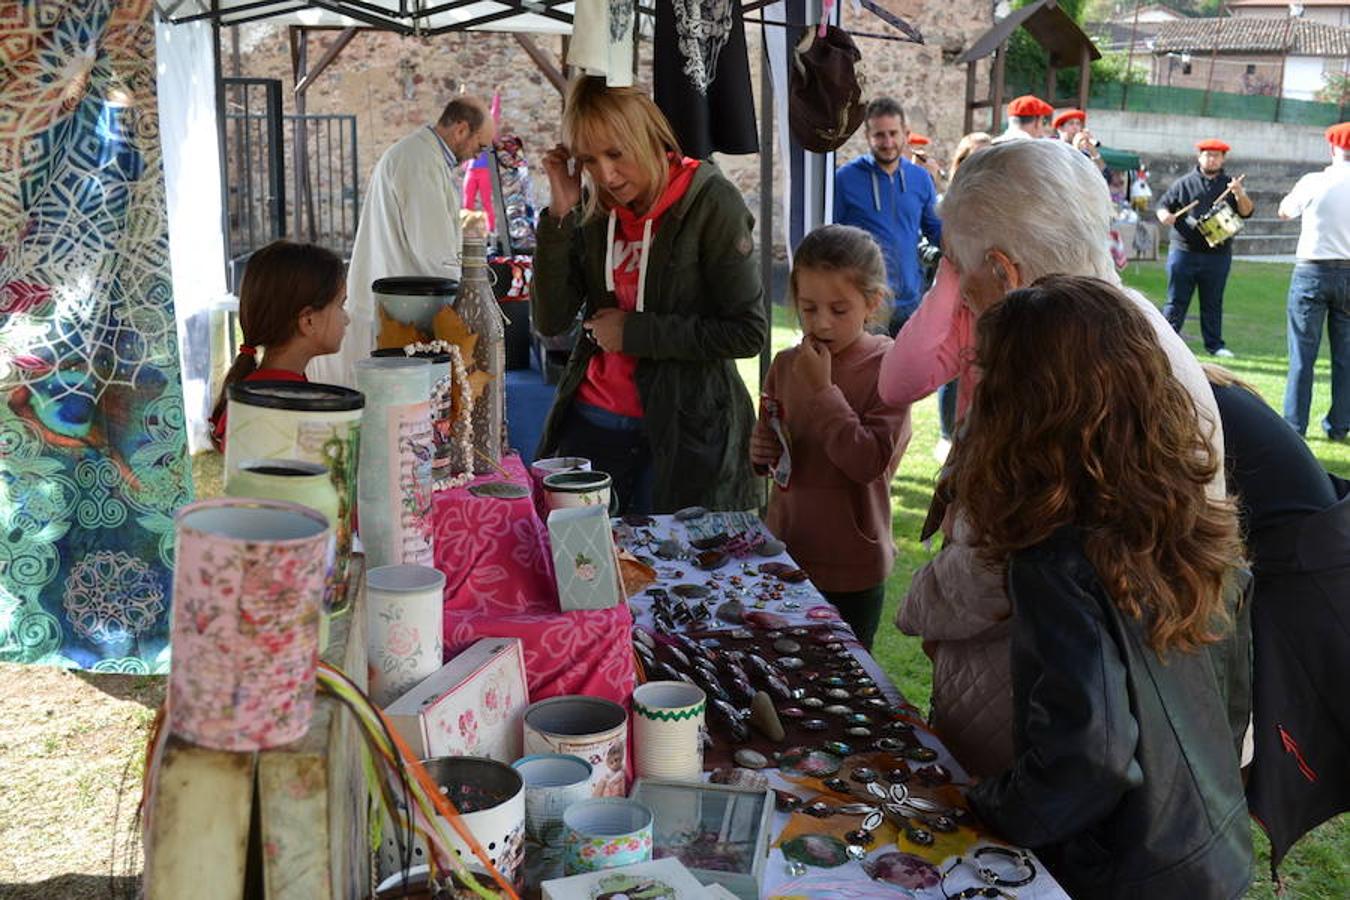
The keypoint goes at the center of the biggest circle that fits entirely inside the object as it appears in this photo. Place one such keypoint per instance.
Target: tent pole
(766, 112)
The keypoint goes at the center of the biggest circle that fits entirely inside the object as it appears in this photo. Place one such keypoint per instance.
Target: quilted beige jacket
(959, 606)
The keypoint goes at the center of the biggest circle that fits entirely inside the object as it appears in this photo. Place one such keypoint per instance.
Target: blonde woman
(656, 252)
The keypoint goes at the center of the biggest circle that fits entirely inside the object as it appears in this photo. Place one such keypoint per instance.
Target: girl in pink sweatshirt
(844, 441)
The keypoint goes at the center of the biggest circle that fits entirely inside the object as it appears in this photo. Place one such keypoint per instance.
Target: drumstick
(1187, 208)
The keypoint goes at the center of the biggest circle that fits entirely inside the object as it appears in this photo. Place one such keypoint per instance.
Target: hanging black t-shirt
(1196, 186)
(701, 76)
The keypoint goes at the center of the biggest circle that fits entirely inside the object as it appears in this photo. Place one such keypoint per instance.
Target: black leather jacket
(1126, 778)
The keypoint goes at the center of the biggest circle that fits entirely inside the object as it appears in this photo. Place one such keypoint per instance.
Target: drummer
(1192, 264)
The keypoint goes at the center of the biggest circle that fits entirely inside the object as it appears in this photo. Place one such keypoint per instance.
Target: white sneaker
(1223, 353)
(941, 449)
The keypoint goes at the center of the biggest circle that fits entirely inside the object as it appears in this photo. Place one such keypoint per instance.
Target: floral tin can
(315, 423)
(605, 832)
(394, 481)
(592, 728)
(249, 581)
(403, 633)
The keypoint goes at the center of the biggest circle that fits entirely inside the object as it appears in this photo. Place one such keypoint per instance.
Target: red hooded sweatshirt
(610, 382)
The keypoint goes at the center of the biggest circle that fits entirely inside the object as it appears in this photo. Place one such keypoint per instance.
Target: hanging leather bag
(825, 103)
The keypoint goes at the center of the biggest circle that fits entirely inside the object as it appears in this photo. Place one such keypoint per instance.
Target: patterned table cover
(499, 583)
(849, 881)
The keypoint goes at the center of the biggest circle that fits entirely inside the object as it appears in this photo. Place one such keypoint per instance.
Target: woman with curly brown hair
(1085, 469)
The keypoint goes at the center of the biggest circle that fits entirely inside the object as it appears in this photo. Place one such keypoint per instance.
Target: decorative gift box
(472, 706)
(585, 562)
(720, 832)
(667, 879)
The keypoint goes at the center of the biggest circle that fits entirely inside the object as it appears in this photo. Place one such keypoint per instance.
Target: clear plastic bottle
(477, 306)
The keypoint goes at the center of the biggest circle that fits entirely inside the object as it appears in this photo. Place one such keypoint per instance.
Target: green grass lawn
(1317, 867)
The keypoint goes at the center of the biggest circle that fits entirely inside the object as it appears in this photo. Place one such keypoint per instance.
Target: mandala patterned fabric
(92, 442)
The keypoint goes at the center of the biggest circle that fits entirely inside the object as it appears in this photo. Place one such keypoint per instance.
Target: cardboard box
(585, 561)
(658, 877)
(472, 706)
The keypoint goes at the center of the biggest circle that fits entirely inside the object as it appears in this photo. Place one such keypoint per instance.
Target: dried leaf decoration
(394, 333)
(449, 326)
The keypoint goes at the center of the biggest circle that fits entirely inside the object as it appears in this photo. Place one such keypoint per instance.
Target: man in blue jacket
(892, 199)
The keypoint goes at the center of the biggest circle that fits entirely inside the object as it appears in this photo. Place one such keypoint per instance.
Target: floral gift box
(585, 563)
(472, 706)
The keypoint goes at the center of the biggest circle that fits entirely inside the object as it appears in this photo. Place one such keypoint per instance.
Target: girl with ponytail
(290, 311)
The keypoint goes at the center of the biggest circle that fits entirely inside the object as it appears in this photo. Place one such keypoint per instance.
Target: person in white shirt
(1026, 118)
(409, 223)
(1320, 287)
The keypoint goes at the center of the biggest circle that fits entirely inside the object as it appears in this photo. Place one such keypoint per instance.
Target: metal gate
(267, 151)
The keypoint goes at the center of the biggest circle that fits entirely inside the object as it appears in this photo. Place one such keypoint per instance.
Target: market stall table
(499, 583)
(900, 863)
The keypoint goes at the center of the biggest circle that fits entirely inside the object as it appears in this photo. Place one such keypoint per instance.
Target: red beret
(1069, 115)
(1339, 135)
(1212, 144)
(1029, 106)
(918, 140)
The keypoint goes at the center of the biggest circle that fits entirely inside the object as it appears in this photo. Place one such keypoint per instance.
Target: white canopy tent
(402, 16)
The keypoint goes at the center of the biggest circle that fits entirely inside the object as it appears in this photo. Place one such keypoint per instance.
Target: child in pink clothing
(845, 440)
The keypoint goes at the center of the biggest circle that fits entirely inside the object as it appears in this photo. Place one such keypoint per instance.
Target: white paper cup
(667, 730)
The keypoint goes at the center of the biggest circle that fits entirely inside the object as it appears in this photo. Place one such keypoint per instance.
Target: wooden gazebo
(1056, 33)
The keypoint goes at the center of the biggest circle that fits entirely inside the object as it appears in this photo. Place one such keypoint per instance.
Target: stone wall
(394, 84)
(1155, 135)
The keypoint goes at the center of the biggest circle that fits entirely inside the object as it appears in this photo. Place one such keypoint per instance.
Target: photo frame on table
(719, 832)
(585, 560)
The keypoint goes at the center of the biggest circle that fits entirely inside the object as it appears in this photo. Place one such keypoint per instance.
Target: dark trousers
(860, 609)
(1188, 272)
(898, 319)
(1319, 292)
(614, 444)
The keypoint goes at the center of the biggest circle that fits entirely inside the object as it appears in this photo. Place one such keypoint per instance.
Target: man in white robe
(409, 223)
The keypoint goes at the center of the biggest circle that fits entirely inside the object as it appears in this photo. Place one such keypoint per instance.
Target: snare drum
(1219, 224)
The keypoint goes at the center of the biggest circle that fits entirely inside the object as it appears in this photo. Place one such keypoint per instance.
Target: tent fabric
(92, 454)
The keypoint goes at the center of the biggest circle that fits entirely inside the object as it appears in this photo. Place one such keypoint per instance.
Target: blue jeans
(947, 408)
(615, 444)
(1318, 291)
(1187, 271)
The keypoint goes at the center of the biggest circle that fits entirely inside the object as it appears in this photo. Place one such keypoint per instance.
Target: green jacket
(703, 308)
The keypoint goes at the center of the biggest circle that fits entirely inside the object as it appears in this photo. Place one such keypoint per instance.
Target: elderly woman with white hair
(1015, 212)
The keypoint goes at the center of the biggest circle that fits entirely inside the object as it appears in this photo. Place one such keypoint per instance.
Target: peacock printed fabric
(93, 458)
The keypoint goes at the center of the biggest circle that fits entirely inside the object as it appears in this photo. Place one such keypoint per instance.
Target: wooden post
(1284, 55)
(996, 89)
(1051, 82)
(969, 124)
(766, 114)
(1084, 76)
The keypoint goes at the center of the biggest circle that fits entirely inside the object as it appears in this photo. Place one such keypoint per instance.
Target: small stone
(858, 731)
(860, 838)
(838, 748)
(751, 759)
(812, 702)
(897, 776)
(934, 775)
(819, 809)
(796, 869)
(815, 725)
(792, 712)
(764, 717)
(790, 663)
(837, 694)
(838, 710)
(864, 775)
(787, 646)
(866, 692)
(919, 753)
(876, 703)
(838, 785)
(690, 513)
(859, 719)
(921, 836)
(734, 613)
(771, 547)
(643, 638)
(944, 824)
(786, 801)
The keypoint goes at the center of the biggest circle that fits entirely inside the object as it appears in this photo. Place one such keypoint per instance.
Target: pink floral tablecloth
(499, 583)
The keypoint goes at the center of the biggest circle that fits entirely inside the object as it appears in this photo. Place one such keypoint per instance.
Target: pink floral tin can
(249, 584)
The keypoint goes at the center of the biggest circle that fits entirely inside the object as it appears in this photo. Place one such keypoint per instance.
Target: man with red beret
(1191, 262)
(1026, 118)
(1071, 124)
(1320, 287)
